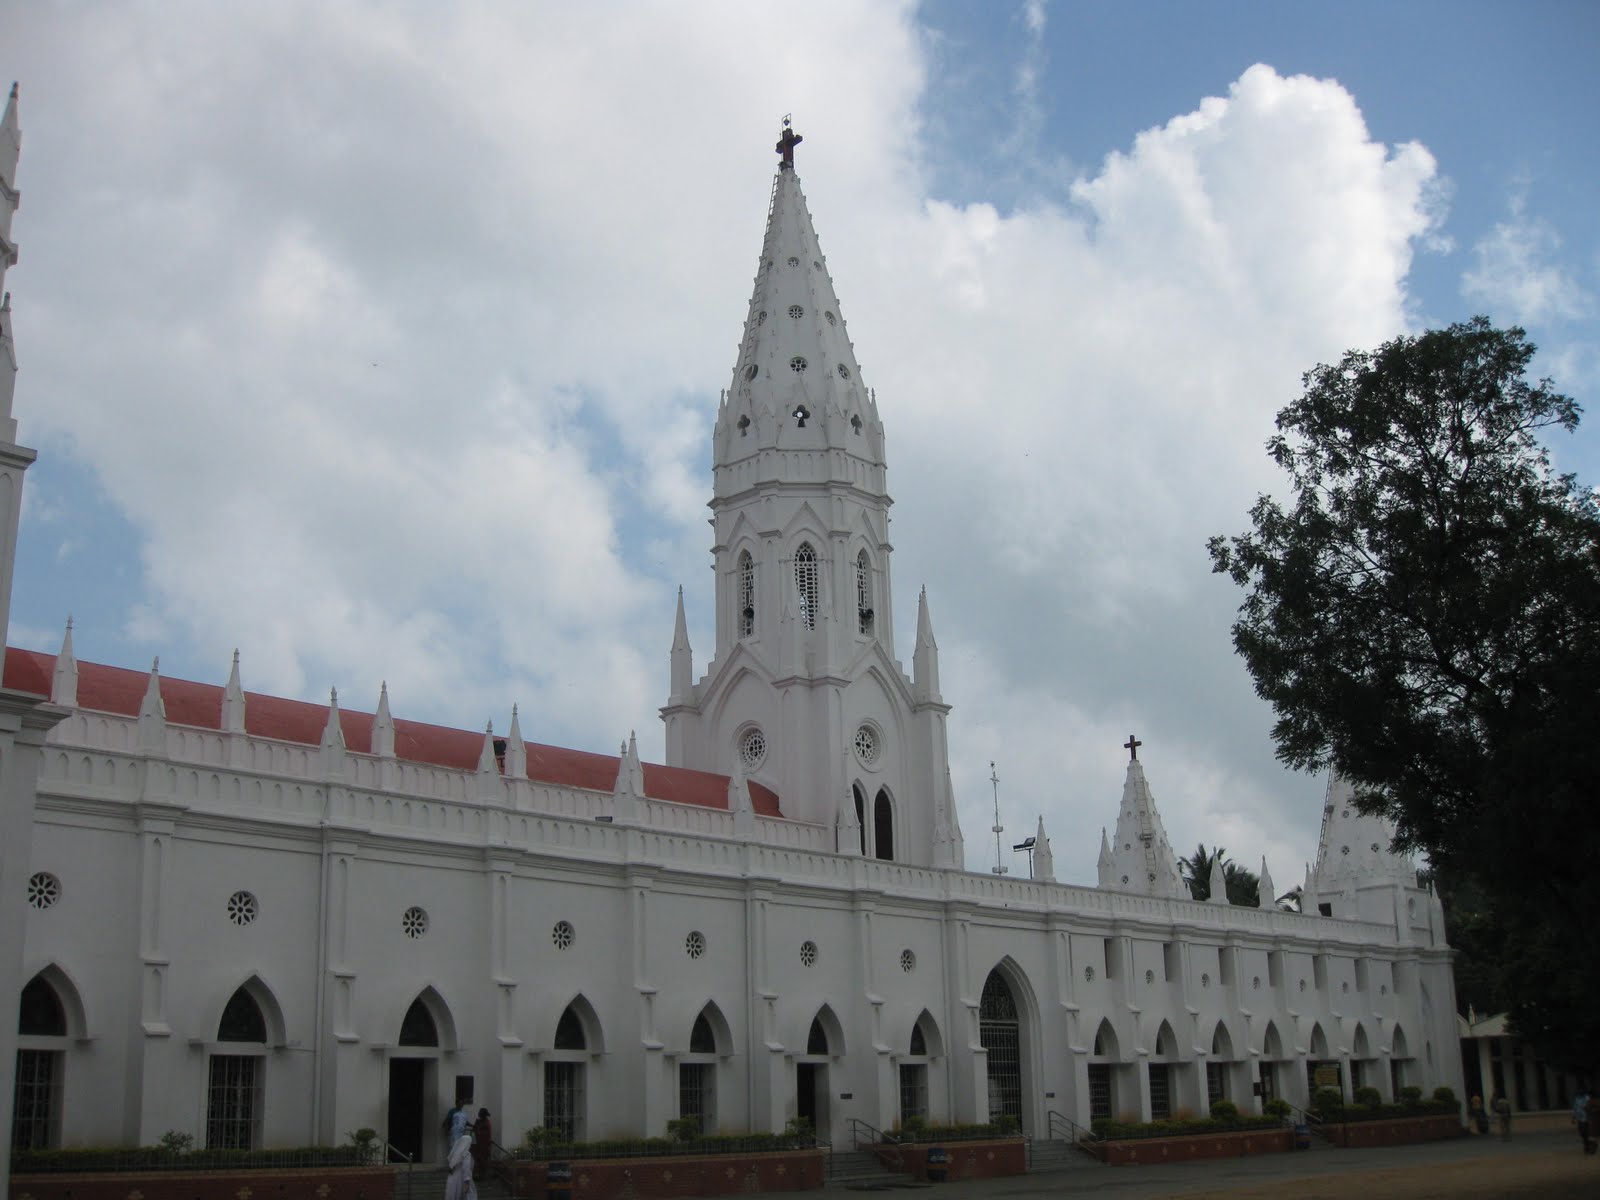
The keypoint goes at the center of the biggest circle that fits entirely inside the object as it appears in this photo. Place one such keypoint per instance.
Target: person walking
(1580, 1116)
(1502, 1114)
(482, 1141)
(1593, 1143)
(458, 1183)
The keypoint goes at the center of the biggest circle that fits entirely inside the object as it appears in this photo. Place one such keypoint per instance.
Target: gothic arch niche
(1105, 1058)
(50, 1013)
(1220, 1066)
(1162, 1069)
(861, 814)
(1317, 1056)
(923, 1046)
(575, 1042)
(236, 1071)
(883, 826)
(807, 584)
(824, 1042)
(1361, 1067)
(866, 593)
(423, 1031)
(1271, 1056)
(1005, 1030)
(698, 1067)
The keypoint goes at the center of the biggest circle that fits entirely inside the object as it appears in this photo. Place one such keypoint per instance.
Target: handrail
(879, 1138)
(498, 1165)
(1086, 1140)
(389, 1148)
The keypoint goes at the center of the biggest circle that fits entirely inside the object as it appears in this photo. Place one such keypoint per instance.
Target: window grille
(806, 582)
(1000, 1034)
(697, 1093)
(563, 1098)
(747, 594)
(1160, 1092)
(1099, 1091)
(233, 1103)
(35, 1123)
(1216, 1082)
(913, 1091)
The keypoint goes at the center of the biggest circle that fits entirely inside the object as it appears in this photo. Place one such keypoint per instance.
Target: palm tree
(1290, 900)
(1196, 869)
(1244, 888)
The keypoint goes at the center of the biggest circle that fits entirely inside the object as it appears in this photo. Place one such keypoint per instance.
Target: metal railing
(1061, 1127)
(388, 1152)
(875, 1139)
(502, 1163)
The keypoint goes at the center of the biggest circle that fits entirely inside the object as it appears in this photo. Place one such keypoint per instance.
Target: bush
(1444, 1095)
(1277, 1109)
(1007, 1125)
(94, 1159)
(1122, 1131)
(174, 1142)
(684, 1129)
(1410, 1096)
(1328, 1103)
(804, 1132)
(1369, 1097)
(1224, 1110)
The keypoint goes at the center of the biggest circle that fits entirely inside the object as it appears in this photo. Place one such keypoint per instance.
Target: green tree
(1425, 618)
(1242, 885)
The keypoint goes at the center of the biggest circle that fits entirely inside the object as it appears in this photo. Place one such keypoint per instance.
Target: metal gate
(1000, 1034)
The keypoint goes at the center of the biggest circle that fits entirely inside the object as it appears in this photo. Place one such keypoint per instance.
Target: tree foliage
(1425, 618)
(1242, 885)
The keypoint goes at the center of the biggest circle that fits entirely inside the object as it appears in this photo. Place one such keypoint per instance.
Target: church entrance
(408, 1092)
(811, 1095)
(1000, 1033)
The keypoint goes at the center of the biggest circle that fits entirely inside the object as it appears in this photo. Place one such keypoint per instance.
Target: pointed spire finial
(1132, 747)
(233, 699)
(786, 144)
(64, 684)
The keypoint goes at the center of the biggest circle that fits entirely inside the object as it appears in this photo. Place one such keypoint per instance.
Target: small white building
(267, 922)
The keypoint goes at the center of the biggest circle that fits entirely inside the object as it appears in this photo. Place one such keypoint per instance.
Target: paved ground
(1545, 1163)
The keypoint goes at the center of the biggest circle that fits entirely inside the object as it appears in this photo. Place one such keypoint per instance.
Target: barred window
(747, 594)
(233, 1103)
(697, 1094)
(563, 1099)
(806, 582)
(36, 1117)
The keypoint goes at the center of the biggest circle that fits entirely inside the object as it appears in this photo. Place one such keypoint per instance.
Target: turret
(1357, 875)
(1141, 856)
(682, 657)
(1044, 862)
(1266, 894)
(64, 681)
(153, 714)
(925, 658)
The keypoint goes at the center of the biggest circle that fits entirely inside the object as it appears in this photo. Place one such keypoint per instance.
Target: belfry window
(863, 593)
(747, 594)
(806, 583)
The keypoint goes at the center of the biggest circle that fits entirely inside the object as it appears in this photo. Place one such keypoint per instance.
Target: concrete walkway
(1546, 1163)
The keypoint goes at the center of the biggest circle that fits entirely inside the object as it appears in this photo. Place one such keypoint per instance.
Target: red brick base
(326, 1183)
(967, 1160)
(1200, 1145)
(716, 1175)
(1395, 1132)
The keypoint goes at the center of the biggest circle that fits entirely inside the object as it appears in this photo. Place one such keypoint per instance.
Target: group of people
(467, 1157)
(1478, 1116)
(1586, 1116)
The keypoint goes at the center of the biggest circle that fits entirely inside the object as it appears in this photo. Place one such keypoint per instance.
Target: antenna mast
(999, 867)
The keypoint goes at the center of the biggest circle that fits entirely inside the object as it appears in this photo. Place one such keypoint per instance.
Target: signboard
(1326, 1075)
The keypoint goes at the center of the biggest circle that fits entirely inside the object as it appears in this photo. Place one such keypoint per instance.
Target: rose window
(695, 944)
(752, 748)
(908, 961)
(562, 935)
(796, 311)
(866, 743)
(242, 908)
(414, 921)
(44, 889)
(844, 371)
(808, 953)
(1088, 974)
(797, 364)
(793, 261)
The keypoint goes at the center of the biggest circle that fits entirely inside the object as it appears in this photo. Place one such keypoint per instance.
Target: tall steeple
(1353, 848)
(1141, 856)
(14, 459)
(803, 689)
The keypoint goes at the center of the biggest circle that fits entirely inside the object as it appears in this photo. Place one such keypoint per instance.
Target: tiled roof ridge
(119, 690)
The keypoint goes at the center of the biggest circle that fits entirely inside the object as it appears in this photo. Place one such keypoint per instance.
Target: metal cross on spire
(786, 145)
(1132, 747)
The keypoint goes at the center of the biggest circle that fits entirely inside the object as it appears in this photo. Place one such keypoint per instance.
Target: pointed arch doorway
(1000, 1034)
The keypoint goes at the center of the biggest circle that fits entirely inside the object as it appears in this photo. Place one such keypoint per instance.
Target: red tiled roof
(118, 690)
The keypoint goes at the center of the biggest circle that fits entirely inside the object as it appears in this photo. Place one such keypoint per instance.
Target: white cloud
(1515, 274)
(405, 369)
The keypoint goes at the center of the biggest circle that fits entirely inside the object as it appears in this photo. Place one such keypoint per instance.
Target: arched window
(418, 1028)
(564, 1076)
(697, 1074)
(863, 593)
(41, 1013)
(817, 1039)
(701, 1039)
(883, 826)
(807, 583)
(914, 1077)
(861, 814)
(747, 594)
(919, 1044)
(569, 1032)
(1000, 1033)
(234, 1104)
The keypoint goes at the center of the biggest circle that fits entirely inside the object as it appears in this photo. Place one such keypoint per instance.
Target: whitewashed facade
(278, 939)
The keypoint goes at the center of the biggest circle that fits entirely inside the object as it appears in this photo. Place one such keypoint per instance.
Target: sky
(384, 341)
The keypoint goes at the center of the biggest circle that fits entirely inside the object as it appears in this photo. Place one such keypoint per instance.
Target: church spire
(64, 683)
(10, 151)
(925, 658)
(1353, 848)
(1141, 856)
(682, 656)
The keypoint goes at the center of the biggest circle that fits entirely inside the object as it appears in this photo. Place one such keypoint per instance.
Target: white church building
(265, 922)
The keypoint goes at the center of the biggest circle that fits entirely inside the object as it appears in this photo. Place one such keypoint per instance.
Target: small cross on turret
(1132, 747)
(786, 145)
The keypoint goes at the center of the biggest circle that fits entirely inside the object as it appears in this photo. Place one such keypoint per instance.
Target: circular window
(44, 889)
(1374, 847)
(752, 748)
(1149, 976)
(1124, 879)
(829, 316)
(1205, 981)
(562, 935)
(908, 961)
(752, 371)
(1344, 849)
(242, 908)
(844, 371)
(793, 261)
(797, 364)
(1345, 813)
(695, 944)
(796, 311)
(1088, 974)
(761, 317)
(808, 953)
(866, 743)
(414, 921)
